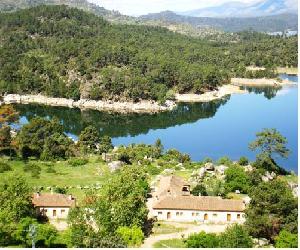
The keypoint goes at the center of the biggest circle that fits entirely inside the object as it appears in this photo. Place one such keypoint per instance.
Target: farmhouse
(173, 202)
(53, 206)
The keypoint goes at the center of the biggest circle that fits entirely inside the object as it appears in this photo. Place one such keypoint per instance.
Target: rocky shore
(211, 95)
(119, 107)
(260, 82)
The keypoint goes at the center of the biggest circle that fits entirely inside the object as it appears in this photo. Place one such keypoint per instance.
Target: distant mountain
(239, 9)
(111, 16)
(231, 24)
(192, 26)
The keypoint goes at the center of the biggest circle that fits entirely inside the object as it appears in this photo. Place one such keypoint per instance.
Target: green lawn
(171, 243)
(161, 228)
(76, 179)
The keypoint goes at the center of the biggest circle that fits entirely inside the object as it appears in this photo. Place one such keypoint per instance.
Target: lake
(214, 129)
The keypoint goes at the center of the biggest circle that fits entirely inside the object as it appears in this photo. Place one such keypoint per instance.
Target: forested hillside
(66, 52)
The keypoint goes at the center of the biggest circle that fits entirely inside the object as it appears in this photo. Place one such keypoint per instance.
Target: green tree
(235, 236)
(33, 136)
(57, 146)
(133, 237)
(121, 203)
(105, 144)
(243, 161)
(15, 204)
(286, 239)
(199, 189)
(271, 209)
(5, 140)
(89, 138)
(236, 179)
(270, 142)
(202, 240)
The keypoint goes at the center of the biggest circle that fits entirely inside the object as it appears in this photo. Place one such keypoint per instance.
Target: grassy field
(77, 179)
(171, 243)
(161, 228)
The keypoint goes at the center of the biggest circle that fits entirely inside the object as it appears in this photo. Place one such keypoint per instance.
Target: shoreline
(110, 106)
(146, 106)
(260, 82)
(223, 91)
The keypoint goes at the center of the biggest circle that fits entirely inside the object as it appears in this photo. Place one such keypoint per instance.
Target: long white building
(173, 202)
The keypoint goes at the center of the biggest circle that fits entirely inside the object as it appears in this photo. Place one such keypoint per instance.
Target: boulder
(209, 166)
(114, 165)
(221, 169)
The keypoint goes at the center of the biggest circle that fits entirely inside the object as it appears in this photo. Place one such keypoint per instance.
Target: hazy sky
(140, 7)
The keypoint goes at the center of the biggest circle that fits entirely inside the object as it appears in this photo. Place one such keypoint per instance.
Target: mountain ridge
(239, 9)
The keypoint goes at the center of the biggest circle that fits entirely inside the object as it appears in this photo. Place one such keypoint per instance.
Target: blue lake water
(215, 129)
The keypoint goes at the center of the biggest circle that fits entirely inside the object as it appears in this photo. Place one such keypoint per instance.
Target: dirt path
(190, 228)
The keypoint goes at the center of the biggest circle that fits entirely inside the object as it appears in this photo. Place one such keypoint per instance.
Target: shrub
(34, 169)
(202, 240)
(243, 161)
(235, 236)
(224, 161)
(133, 237)
(4, 167)
(199, 190)
(236, 179)
(75, 162)
(286, 239)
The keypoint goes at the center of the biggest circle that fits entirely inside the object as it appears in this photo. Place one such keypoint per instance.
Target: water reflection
(118, 125)
(268, 91)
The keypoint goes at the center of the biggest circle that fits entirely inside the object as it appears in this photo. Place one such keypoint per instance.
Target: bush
(236, 179)
(133, 237)
(243, 161)
(286, 239)
(4, 167)
(202, 240)
(199, 190)
(34, 169)
(235, 236)
(60, 190)
(224, 161)
(75, 162)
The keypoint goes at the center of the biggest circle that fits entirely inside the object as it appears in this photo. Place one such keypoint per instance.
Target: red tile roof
(53, 200)
(200, 203)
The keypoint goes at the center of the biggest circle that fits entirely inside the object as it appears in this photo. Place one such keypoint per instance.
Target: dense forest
(66, 52)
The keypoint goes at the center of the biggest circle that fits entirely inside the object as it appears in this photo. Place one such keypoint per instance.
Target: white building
(53, 206)
(173, 202)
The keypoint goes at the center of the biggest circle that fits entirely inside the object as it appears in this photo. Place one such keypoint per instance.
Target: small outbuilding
(53, 206)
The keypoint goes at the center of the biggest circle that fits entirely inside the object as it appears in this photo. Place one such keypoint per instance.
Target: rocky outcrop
(120, 107)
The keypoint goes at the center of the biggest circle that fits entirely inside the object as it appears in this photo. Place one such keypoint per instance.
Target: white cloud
(141, 7)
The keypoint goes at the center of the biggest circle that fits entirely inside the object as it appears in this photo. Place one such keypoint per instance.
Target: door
(168, 215)
(205, 216)
(228, 217)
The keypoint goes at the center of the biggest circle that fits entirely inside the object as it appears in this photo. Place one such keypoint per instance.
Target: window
(205, 216)
(215, 215)
(238, 216)
(197, 214)
(193, 214)
(159, 213)
(54, 213)
(62, 212)
(181, 213)
(177, 213)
